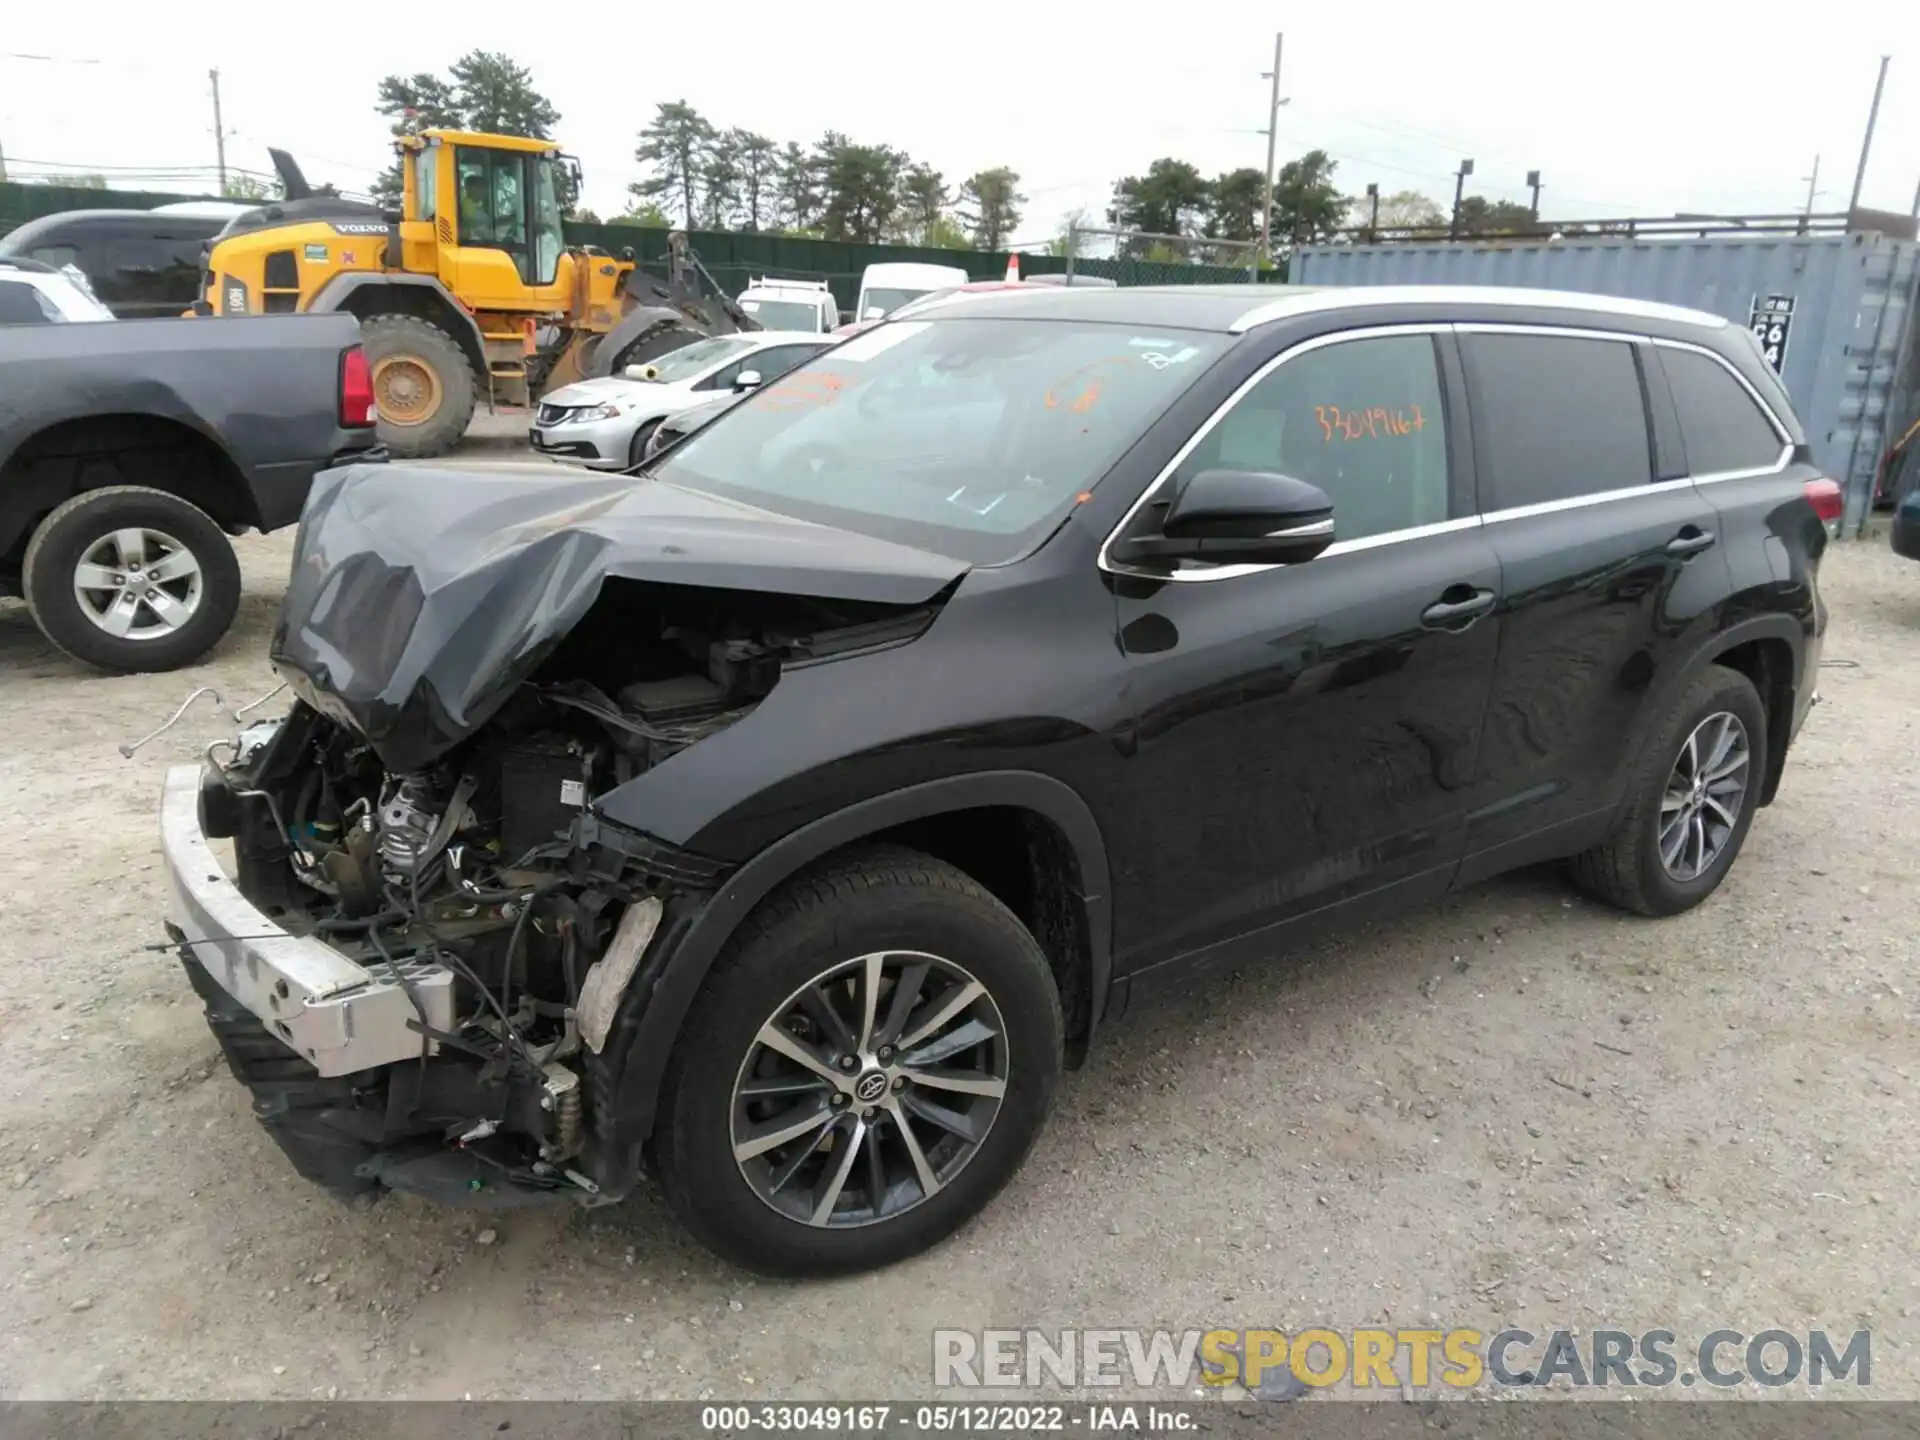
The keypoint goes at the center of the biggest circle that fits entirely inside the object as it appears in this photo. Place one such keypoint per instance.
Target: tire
(438, 428)
(83, 530)
(637, 447)
(883, 899)
(1627, 868)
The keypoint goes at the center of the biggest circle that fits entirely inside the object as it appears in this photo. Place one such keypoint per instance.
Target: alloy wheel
(869, 1089)
(1700, 807)
(137, 583)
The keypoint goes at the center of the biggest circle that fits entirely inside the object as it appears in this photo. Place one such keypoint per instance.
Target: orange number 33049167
(1378, 422)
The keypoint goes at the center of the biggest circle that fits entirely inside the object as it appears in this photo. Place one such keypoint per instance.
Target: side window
(1555, 417)
(425, 165)
(723, 378)
(779, 359)
(23, 304)
(1719, 423)
(58, 256)
(1362, 419)
(139, 255)
(489, 198)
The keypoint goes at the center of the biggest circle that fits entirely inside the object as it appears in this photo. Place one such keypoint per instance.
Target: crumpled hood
(420, 597)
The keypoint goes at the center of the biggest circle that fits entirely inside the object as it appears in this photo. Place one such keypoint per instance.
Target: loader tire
(653, 345)
(422, 383)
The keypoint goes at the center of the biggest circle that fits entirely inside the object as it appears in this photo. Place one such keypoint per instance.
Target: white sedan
(605, 423)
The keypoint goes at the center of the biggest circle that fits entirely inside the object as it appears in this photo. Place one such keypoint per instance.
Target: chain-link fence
(1137, 257)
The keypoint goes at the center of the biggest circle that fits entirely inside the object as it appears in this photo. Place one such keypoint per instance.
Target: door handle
(1457, 608)
(1690, 541)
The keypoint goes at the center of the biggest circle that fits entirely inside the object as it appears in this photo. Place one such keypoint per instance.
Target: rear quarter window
(1555, 417)
(1721, 427)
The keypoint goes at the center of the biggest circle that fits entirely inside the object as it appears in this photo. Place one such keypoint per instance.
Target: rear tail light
(1827, 501)
(356, 389)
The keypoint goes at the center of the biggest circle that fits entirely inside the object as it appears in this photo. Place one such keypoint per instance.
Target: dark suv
(786, 816)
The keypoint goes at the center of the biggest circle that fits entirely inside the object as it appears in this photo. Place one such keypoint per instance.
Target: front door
(1306, 732)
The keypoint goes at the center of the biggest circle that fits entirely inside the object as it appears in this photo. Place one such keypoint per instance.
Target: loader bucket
(658, 317)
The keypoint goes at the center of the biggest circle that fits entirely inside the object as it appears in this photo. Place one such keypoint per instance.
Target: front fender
(645, 1031)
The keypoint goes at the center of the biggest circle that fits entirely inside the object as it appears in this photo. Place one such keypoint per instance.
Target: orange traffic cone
(1013, 269)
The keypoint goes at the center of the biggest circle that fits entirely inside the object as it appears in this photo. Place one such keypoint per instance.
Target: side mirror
(873, 312)
(1240, 517)
(746, 380)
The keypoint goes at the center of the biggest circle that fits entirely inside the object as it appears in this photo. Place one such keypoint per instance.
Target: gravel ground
(1518, 1108)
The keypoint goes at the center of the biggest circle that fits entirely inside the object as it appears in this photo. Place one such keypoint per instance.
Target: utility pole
(1813, 182)
(1459, 189)
(1533, 184)
(1273, 132)
(219, 131)
(1866, 141)
(1373, 220)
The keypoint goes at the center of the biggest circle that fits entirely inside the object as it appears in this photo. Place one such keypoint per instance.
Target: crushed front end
(416, 975)
(430, 956)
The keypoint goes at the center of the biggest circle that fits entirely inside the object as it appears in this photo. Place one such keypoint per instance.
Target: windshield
(887, 299)
(783, 314)
(969, 438)
(689, 360)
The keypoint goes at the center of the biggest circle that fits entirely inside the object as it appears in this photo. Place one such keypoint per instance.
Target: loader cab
(483, 212)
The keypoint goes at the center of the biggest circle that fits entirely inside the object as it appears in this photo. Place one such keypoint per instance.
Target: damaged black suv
(781, 818)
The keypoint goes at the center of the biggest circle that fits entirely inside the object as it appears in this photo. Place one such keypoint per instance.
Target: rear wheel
(1691, 803)
(865, 1068)
(422, 383)
(131, 579)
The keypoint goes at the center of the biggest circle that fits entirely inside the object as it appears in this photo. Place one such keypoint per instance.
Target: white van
(791, 305)
(885, 288)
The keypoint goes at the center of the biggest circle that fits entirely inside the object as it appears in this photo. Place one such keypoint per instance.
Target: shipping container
(1832, 311)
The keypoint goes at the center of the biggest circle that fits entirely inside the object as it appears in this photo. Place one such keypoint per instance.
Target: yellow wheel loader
(468, 294)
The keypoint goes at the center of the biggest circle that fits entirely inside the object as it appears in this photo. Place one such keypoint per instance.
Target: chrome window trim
(1345, 297)
(1580, 502)
(1111, 566)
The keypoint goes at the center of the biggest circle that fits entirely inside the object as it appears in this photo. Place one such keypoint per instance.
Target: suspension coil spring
(562, 1101)
(566, 1121)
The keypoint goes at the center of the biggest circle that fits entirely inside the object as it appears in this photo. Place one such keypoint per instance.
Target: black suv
(784, 817)
(142, 264)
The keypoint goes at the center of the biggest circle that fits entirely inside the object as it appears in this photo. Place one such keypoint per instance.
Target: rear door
(1609, 560)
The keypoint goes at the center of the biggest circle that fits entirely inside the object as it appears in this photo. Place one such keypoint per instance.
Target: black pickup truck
(131, 449)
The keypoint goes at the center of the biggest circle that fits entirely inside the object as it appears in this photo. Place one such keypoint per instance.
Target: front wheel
(422, 383)
(637, 446)
(865, 1068)
(131, 579)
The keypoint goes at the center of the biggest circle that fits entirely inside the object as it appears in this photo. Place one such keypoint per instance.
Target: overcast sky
(1629, 107)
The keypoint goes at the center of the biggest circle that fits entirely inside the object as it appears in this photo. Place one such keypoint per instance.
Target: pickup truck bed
(130, 450)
